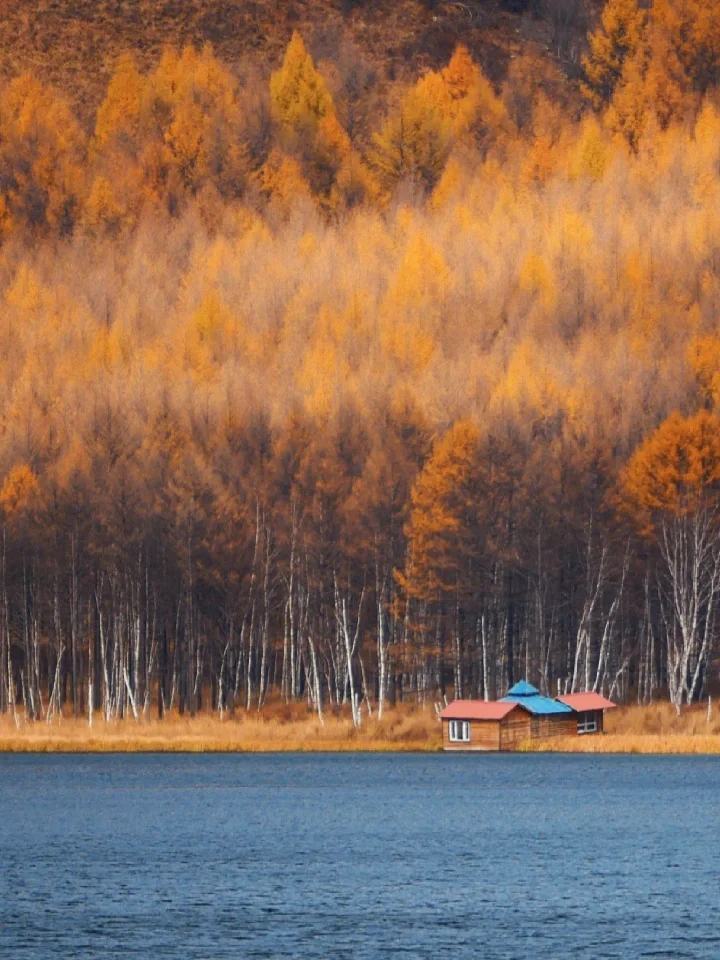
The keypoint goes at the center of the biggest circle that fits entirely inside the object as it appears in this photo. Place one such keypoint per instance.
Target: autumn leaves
(194, 133)
(438, 353)
(652, 64)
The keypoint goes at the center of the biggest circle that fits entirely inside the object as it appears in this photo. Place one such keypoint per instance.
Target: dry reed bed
(652, 729)
(275, 730)
(278, 728)
(651, 743)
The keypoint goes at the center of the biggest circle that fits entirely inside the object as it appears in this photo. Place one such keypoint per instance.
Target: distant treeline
(298, 405)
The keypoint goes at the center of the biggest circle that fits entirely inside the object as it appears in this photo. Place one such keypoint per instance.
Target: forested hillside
(323, 380)
(74, 44)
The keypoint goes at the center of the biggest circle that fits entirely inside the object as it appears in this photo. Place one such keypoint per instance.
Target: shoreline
(608, 746)
(105, 747)
(651, 730)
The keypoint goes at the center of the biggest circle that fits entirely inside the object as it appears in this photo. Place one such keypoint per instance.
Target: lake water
(359, 856)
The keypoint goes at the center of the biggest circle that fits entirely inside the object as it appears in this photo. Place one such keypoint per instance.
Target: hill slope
(73, 43)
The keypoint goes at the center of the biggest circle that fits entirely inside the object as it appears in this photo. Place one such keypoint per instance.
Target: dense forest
(319, 385)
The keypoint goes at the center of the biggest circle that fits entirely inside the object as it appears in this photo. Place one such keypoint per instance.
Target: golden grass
(676, 743)
(276, 729)
(279, 728)
(653, 729)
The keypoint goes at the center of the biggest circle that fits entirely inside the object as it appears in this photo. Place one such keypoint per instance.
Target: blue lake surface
(359, 856)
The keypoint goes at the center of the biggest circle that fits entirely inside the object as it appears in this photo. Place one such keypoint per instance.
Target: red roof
(477, 710)
(580, 702)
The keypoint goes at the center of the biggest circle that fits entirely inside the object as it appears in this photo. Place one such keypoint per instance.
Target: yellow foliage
(298, 93)
(304, 111)
(323, 371)
(447, 188)
(591, 154)
(41, 157)
(182, 124)
(675, 467)
(470, 100)
(704, 358)
(423, 276)
(18, 491)
(110, 350)
(536, 278)
(102, 207)
(541, 161)
(705, 157)
(415, 142)
(576, 233)
(528, 385)
(211, 319)
(25, 293)
(283, 183)
(354, 184)
(119, 113)
(692, 30)
(444, 502)
(410, 347)
(652, 85)
(619, 35)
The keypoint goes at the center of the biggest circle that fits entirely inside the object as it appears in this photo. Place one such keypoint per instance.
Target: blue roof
(529, 697)
(523, 689)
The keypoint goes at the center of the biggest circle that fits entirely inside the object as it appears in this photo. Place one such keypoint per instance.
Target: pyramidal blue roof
(529, 697)
(523, 689)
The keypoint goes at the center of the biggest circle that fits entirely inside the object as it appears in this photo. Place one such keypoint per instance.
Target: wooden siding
(508, 733)
(514, 728)
(484, 735)
(554, 725)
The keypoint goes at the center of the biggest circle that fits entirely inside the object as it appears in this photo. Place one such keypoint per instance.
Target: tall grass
(662, 719)
(276, 729)
(652, 729)
(292, 727)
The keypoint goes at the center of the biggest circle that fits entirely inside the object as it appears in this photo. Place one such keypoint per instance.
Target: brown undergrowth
(655, 729)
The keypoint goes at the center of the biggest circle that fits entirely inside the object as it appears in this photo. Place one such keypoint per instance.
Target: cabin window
(587, 723)
(459, 731)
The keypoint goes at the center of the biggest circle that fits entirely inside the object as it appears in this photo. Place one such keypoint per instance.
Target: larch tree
(671, 487)
(474, 107)
(443, 540)
(41, 154)
(620, 32)
(305, 113)
(415, 142)
(119, 114)
(693, 29)
(653, 83)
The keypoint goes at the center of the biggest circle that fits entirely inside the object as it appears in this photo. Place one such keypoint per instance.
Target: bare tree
(688, 590)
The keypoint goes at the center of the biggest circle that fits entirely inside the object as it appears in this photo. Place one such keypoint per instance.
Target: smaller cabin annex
(589, 710)
(523, 714)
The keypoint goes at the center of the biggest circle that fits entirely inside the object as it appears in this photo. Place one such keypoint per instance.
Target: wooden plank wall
(484, 735)
(555, 725)
(517, 726)
(514, 728)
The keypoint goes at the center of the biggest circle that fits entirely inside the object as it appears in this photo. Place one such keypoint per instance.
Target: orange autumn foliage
(675, 469)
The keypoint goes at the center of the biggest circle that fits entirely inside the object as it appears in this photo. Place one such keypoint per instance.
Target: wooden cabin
(589, 709)
(523, 714)
(479, 725)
